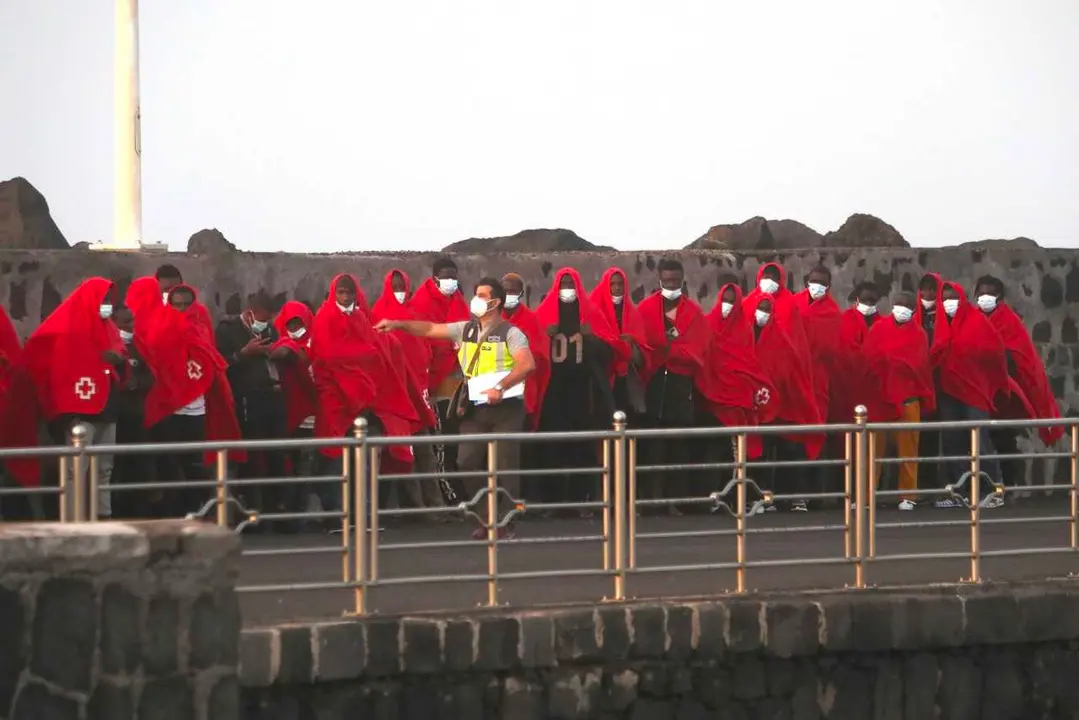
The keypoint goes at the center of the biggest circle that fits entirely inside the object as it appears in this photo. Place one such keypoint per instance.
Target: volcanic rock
(209, 242)
(25, 221)
(1019, 243)
(527, 241)
(861, 231)
(758, 233)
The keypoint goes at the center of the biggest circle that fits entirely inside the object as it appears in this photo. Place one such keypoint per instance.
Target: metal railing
(739, 496)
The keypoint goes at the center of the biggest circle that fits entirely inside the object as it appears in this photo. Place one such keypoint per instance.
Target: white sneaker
(799, 506)
(949, 503)
(992, 502)
(906, 504)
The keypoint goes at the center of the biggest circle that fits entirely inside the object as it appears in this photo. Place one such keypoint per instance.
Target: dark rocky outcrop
(1019, 243)
(758, 233)
(861, 230)
(527, 241)
(209, 242)
(25, 221)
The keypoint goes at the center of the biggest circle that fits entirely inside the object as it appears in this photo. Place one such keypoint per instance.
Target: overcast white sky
(362, 125)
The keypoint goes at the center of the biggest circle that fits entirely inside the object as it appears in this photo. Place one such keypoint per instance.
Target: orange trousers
(906, 442)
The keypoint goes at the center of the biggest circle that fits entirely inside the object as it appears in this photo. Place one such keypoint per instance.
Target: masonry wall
(977, 652)
(118, 621)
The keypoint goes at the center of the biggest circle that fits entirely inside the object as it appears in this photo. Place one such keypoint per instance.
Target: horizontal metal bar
(809, 496)
(1026, 520)
(285, 552)
(559, 472)
(919, 492)
(925, 524)
(971, 424)
(30, 491)
(919, 557)
(298, 587)
(698, 432)
(684, 467)
(1017, 552)
(967, 458)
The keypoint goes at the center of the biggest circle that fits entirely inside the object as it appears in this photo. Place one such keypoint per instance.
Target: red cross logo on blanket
(85, 388)
(194, 370)
(763, 396)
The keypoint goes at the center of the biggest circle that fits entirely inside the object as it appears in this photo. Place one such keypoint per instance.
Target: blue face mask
(257, 326)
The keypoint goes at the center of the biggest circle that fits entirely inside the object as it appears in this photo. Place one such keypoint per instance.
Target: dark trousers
(330, 493)
(133, 469)
(178, 467)
(445, 453)
(1006, 442)
(957, 442)
(507, 416)
(673, 450)
(784, 480)
(262, 416)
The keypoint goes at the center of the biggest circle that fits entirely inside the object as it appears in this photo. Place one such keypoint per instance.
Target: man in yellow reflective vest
(495, 360)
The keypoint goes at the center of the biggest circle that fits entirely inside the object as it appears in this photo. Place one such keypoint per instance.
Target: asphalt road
(542, 546)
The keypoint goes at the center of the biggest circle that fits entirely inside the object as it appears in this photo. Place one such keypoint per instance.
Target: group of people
(148, 365)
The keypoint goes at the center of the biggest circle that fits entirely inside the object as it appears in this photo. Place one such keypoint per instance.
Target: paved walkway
(776, 536)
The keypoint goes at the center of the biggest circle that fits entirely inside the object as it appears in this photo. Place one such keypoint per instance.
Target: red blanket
(785, 311)
(742, 395)
(632, 324)
(63, 355)
(897, 356)
(590, 315)
(354, 375)
(180, 350)
(415, 353)
(854, 385)
(18, 406)
(973, 367)
(941, 329)
(687, 354)
(296, 381)
(821, 321)
(1030, 373)
(791, 378)
(430, 304)
(539, 344)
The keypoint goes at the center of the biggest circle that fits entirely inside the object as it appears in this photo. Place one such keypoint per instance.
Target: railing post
(740, 517)
(848, 496)
(92, 499)
(631, 500)
(358, 507)
(78, 470)
(619, 480)
(860, 483)
(222, 488)
(871, 489)
(492, 522)
(975, 501)
(606, 492)
(1075, 486)
(373, 500)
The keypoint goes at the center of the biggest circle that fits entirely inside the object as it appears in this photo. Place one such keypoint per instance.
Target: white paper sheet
(477, 385)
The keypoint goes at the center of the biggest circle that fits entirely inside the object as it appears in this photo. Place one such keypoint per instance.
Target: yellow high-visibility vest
(494, 353)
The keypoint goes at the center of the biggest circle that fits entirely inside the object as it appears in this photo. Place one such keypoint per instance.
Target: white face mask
(929, 304)
(817, 291)
(400, 296)
(297, 334)
(671, 294)
(987, 303)
(448, 286)
(127, 337)
(762, 317)
(567, 295)
(768, 286)
(258, 326)
(346, 309)
(902, 314)
(478, 307)
(165, 298)
(951, 307)
(105, 311)
(512, 301)
(617, 299)
(726, 308)
(867, 310)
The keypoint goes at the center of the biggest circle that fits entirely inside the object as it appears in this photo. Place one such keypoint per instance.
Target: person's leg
(1006, 442)
(104, 434)
(509, 418)
(191, 428)
(991, 468)
(907, 447)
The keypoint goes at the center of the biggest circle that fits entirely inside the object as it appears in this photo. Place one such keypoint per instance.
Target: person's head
(903, 306)
(514, 287)
(730, 295)
(763, 314)
(260, 307)
(671, 279)
(866, 293)
(345, 293)
(617, 286)
(444, 271)
(490, 297)
(124, 319)
(949, 297)
(181, 298)
(294, 326)
(771, 279)
(168, 277)
(397, 282)
(988, 291)
(927, 289)
(817, 282)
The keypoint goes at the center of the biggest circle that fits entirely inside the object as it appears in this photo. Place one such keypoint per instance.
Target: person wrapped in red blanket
(857, 387)
(190, 399)
(676, 380)
(524, 319)
(899, 387)
(292, 353)
(821, 318)
(75, 360)
(772, 283)
(354, 377)
(740, 393)
(797, 401)
(412, 356)
(582, 345)
(1031, 394)
(611, 298)
(19, 416)
(972, 376)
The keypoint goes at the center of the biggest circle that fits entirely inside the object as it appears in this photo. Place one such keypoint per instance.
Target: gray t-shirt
(515, 339)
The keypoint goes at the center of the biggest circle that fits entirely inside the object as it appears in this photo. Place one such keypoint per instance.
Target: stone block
(645, 709)
(160, 651)
(463, 699)
(930, 621)
(749, 678)
(215, 630)
(793, 628)
(1003, 689)
(459, 646)
(224, 700)
(681, 632)
(712, 622)
(296, 664)
(523, 700)
(888, 690)
(746, 633)
(780, 674)
(992, 618)
(836, 630)
(340, 650)
(1047, 613)
(653, 680)
(65, 634)
(873, 620)
(257, 652)
(537, 641)
(690, 709)
(576, 636)
(621, 689)
(166, 699)
(420, 700)
(37, 701)
(120, 618)
(383, 647)
(649, 632)
(422, 651)
(712, 685)
(498, 643)
(853, 692)
(110, 702)
(574, 695)
(12, 644)
(614, 632)
(920, 680)
(960, 687)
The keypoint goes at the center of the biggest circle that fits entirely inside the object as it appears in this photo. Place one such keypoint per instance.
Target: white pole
(128, 159)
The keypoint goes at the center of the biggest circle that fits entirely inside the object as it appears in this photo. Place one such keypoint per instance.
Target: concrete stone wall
(116, 620)
(957, 652)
